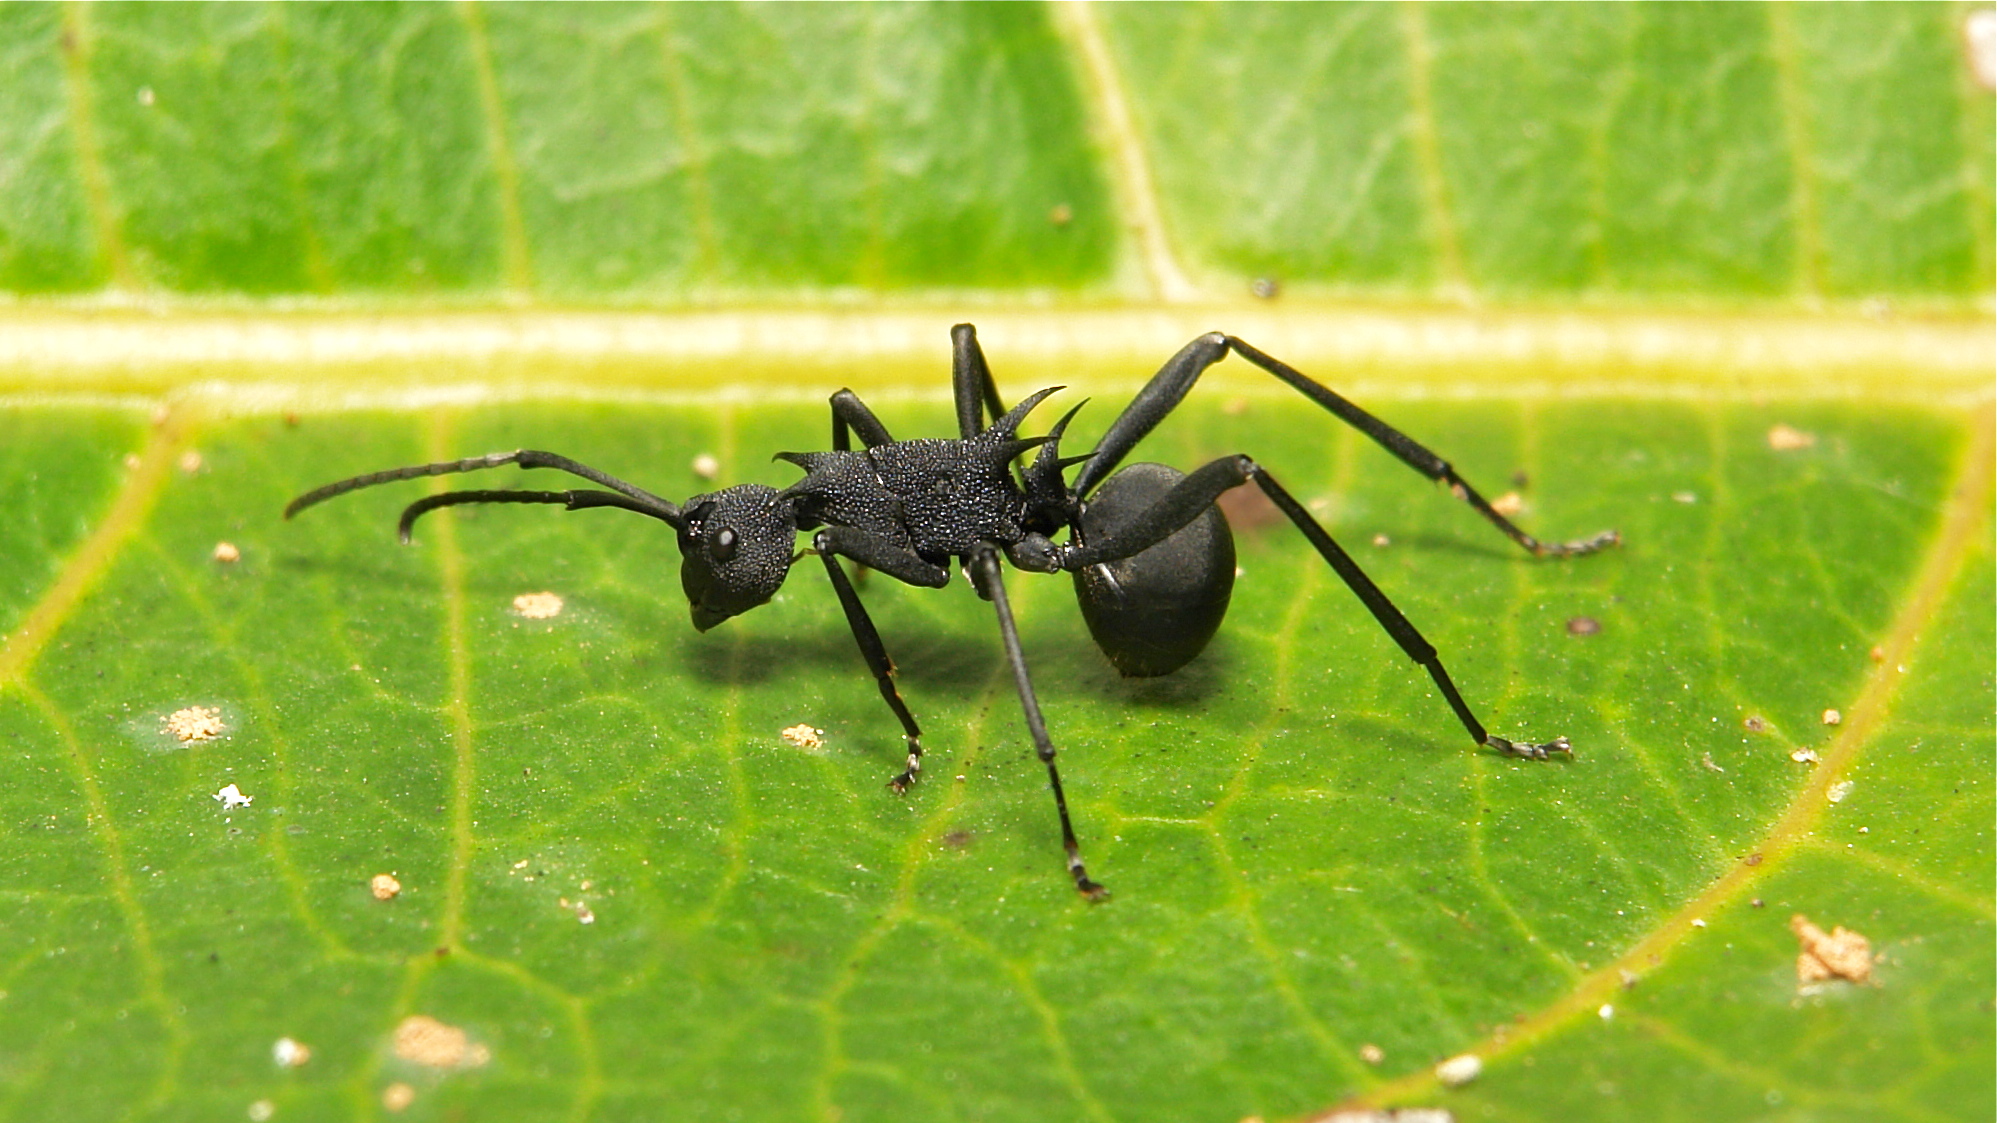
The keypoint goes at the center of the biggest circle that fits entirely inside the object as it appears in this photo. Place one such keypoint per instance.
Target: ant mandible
(1152, 556)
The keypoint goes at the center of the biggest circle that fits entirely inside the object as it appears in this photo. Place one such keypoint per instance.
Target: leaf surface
(1744, 321)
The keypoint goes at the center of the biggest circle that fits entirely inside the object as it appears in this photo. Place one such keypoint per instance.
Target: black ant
(1152, 556)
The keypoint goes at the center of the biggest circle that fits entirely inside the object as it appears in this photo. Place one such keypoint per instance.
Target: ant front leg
(899, 562)
(986, 572)
(876, 655)
(1193, 495)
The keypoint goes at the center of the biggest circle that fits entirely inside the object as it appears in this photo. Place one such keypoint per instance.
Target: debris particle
(1752, 860)
(1979, 39)
(1248, 509)
(1757, 903)
(1382, 541)
(1372, 1054)
(1606, 1012)
(1697, 923)
(1843, 954)
(1832, 717)
(1508, 504)
(261, 1111)
(1753, 723)
(1804, 756)
(1459, 1070)
(146, 96)
(1707, 760)
(1839, 790)
(232, 797)
(538, 606)
(190, 461)
(1782, 438)
(706, 466)
(424, 1040)
(1266, 288)
(227, 552)
(1684, 497)
(805, 737)
(1583, 626)
(384, 886)
(132, 462)
(1628, 977)
(583, 914)
(1387, 1115)
(1061, 214)
(289, 1053)
(397, 1096)
(194, 723)
(1877, 654)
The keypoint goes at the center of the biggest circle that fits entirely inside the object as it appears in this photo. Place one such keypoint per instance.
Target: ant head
(736, 549)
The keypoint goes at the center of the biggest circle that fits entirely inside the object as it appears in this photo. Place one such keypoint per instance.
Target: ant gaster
(1151, 555)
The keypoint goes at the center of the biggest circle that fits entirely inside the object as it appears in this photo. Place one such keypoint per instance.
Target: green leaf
(1743, 260)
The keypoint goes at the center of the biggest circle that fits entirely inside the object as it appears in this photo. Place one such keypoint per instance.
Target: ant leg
(1196, 492)
(570, 500)
(991, 581)
(876, 552)
(1417, 456)
(848, 411)
(526, 458)
(1175, 379)
(971, 382)
(878, 662)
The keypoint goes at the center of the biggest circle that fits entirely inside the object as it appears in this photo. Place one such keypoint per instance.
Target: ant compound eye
(724, 545)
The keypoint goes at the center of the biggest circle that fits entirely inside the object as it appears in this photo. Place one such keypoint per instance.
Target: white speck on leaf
(538, 606)
(1840, 790)
(424, 1040)
(1459, 1070)
(1782, 438)
(1840, 954)
(232, 797)
(195, 723)
(805, 737)
(1979, 38)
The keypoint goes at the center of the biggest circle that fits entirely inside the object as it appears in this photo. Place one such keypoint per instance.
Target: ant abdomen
(1152, 613)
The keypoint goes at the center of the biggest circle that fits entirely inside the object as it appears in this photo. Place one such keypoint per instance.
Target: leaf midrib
(329, 357)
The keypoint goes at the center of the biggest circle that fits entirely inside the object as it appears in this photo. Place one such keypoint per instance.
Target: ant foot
(1527, 749)
(1094, 891)
(1601, 541)
(902, 783)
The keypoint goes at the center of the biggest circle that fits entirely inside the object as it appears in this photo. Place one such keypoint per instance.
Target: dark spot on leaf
(1754, 724)
(957, 839)
(1583, 626)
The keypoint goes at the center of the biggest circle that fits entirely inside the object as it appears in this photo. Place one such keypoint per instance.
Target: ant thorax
(939, 497)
